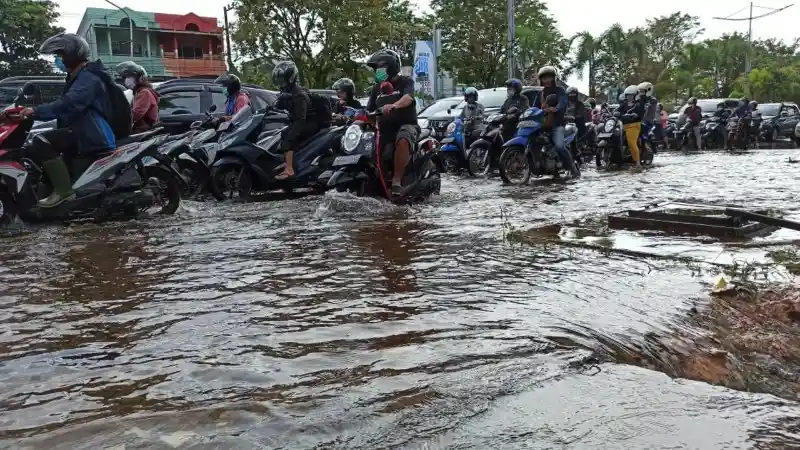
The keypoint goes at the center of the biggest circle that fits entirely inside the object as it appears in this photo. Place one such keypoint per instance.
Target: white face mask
(510, 92)
(130, 82)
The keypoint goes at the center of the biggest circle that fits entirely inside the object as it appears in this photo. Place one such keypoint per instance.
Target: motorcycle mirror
(30, 89)
(211, 109)
(196, 124)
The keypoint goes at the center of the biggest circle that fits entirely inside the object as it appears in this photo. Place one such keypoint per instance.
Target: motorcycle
(532, 149)
(613, 147)
(488, 144)
(109, 185)
(242, 167)
(365, 169)
(713, 130)
(742, 134)
(684, 136)
(453, 152)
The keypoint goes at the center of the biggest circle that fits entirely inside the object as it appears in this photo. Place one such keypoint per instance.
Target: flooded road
(336, 322)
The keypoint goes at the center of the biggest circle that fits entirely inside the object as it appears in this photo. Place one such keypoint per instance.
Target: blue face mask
(60, 64)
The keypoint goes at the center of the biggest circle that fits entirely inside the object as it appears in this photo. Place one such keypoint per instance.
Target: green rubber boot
(56, 170)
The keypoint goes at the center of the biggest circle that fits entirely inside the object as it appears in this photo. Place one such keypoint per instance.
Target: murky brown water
(334, 322)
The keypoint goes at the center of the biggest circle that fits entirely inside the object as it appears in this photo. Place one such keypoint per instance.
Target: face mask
(224, 92)
(60, 64)
(130, 83)
(381, 75)
(510, 92)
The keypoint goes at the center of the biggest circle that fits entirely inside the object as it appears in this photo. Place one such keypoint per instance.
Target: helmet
(547, 70)
(471, 91)
(692, 101)
(345, 85)
(572, 90)
(621, 97)
(631, 90)
(753, 104)
(284, 74)
(130, 68)
(72, 48)
(230, 81)
(515, 84)
(386, 56)
(646, 88)
(592, 102)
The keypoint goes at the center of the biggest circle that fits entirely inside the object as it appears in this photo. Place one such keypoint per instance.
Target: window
(190, 52)
(182, 102)
(192, 27)
(769, 109)
(793, 111)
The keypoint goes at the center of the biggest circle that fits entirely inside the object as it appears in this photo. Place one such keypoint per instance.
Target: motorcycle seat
(139, 136)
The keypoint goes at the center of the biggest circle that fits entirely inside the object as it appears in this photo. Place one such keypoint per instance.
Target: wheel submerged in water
(477, 158)
(7, 208)
(166, 189)
(230, 180)
(515, 165)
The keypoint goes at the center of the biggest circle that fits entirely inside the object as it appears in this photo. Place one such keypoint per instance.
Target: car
(439, 114)
(779, 120)
(708, 106)
(50, 86)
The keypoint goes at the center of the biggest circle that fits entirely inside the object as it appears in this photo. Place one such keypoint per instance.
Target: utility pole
(130, 22)
(511, 68)
(748, 58)
(231, 67)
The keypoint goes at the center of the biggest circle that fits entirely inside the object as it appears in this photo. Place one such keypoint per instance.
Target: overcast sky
(572, 16)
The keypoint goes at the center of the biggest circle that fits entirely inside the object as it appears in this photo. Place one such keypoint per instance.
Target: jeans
(560, 147)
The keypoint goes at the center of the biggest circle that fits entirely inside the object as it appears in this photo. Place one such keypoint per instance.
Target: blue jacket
(82, 107)
(561, 107)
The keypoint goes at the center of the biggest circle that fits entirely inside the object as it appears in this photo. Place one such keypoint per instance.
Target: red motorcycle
(12, 173)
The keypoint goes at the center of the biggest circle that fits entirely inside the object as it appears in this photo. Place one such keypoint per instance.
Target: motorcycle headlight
(493, 118)
(525, 115)
(608, 127)
(424, 123)
(451, 128)
(351, 138)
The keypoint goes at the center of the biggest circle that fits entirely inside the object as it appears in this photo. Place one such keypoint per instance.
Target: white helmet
(631, 90)
(646, 88)
(621, 97)
(572, 89)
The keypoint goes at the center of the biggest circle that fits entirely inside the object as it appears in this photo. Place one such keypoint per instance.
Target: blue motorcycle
(530, 152)
(453, 150)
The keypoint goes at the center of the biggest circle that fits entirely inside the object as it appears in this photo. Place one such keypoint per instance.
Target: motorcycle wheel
(169, 189)
(228, 180)
(514, 161)
(8, 209)
(195, 176)
(477, 159)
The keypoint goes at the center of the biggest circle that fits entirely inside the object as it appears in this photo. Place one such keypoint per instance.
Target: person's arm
(298, 113)
(242, 100)
(78, 98)
(562, 100)
(142, 102)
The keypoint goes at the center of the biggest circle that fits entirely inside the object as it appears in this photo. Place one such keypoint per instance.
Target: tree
(325, 39)
(474, 38)
(24, 25)
(589, 57)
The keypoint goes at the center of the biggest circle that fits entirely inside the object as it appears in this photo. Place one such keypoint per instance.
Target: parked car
(708, 106)
(779, 120)
(443, 111)
(50, 87)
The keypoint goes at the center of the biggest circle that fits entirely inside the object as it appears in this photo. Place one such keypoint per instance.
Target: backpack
(322, 107)
(121, 120)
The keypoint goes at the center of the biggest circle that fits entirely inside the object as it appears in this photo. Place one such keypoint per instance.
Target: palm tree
(692, 65)
(589, 55)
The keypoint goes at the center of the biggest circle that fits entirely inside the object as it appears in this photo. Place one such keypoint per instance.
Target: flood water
(334, 322)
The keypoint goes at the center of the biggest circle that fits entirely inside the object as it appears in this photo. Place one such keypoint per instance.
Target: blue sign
(421, 65)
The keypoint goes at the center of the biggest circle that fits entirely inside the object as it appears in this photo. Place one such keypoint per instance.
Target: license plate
(604, 135)
(346, 160)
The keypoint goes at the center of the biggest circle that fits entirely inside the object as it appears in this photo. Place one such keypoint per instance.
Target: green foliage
(24, 25)
(326, 39)
(474, 39)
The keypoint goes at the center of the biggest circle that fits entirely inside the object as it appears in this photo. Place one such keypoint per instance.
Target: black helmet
(72, 48)
(229, 81)
(285, 74)
(345, 85)
(386, 56)
(130, 68)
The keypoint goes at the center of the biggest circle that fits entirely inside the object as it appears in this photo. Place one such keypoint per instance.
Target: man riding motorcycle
(514, 105)
(144, 112)
(346, 91)
(235, 97)
(554, 116)
(651, 106)
(694, 113)
(634, 106)
(398, 123)
(295, 100)
(472, 110)
(576, 109)
(81, 114)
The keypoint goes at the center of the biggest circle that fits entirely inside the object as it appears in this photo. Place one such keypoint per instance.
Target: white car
(797, 134)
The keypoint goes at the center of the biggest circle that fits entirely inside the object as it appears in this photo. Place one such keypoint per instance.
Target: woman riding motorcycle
(144, 112)
(235, 97)
(634, 108)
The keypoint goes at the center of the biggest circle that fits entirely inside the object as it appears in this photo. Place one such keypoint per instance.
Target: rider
(398, 123)
(514, 100)
(345, 90)
(235, 97)
(472, 110)
(554, 116)
(81, 114)
(297, 103)
(144, 112)
(651, 105)
(576, 109)
(634, 107)
(694, 113)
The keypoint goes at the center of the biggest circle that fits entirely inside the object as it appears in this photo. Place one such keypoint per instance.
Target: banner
(424, 67)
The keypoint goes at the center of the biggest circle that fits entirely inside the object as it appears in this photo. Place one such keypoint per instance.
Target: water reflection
(291, 325)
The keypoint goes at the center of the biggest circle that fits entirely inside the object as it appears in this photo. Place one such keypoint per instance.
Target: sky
(573, 16)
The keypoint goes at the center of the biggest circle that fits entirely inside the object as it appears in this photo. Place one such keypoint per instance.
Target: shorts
(406, 132)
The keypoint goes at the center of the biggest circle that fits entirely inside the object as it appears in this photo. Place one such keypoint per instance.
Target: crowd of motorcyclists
(89, 113)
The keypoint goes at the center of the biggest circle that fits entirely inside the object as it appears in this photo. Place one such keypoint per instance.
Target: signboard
(424, 69)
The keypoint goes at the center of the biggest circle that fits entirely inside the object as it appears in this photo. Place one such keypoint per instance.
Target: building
(166, 45)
